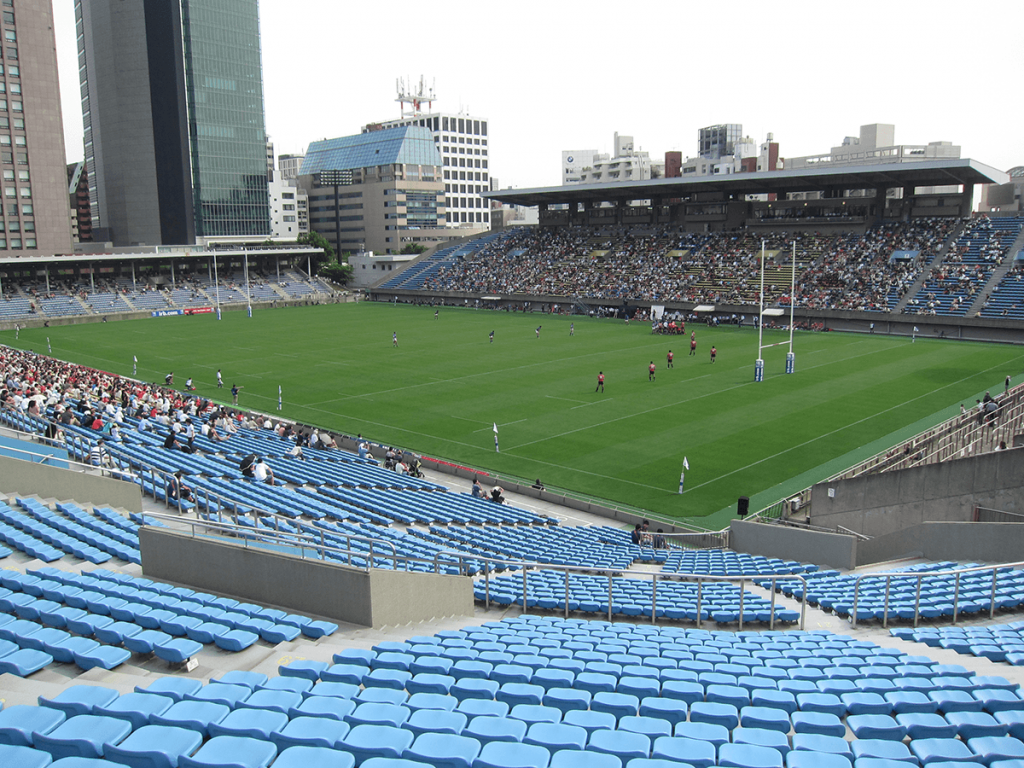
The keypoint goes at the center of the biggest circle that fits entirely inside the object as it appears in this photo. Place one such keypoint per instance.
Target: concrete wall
(832, 549)
(965, 541)
(351, 595)
(20, 476)
(880, 504)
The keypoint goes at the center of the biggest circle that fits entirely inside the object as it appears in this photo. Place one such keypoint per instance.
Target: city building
(718, 141)
(876, 144)
(289, 209)
(574, 161)
(172, 105)
(625, 164)
(462, 142)
(1007, 197)
(377, 191)
(288, 165)
(78, 198)
(36, 215)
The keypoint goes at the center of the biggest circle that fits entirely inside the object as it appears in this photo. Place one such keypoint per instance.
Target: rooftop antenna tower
(414, 99)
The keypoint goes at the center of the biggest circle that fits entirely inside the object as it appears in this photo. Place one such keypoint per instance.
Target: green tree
(413, 248)
(337, 273)
(317, 240)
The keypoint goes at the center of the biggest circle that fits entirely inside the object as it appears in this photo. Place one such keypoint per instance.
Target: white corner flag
(682, 475)
(496, 448)
(135, 365)
(280, 404)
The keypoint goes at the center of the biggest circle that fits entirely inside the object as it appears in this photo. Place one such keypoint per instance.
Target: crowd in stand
(663, 263)
(64, 394)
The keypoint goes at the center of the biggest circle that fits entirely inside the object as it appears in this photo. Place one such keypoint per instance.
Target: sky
(559, 75)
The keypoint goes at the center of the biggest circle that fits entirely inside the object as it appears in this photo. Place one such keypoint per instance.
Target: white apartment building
(574, 161)
(288, 165)
(876, 145)
(625, 164)
(462, 142)
(289, 209)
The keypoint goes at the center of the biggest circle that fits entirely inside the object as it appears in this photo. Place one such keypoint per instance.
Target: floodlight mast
(759, 363)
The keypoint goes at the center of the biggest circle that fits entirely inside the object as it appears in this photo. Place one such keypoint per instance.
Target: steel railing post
(885, 618)
(654, 598)
(567, 593)
(856, 601)
(956, 597)
(742, 591)
(487, 585)
(992, 599)
(609, 596)
(700, 596)
(524, 587)
(771, 621)
(917, 600)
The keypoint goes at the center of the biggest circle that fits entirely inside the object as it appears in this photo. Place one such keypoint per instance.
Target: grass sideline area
(441, 390)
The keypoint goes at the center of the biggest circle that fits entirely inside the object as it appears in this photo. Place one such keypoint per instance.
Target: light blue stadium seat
(444, 750)
(80, 699)
(876, 727)
(237, 751)
(497, 755)
(571, 758)
(725, 715)
(804, 759)
(23, 757)
(311, 732)
(137, 708)
(813, 742)
(748, 756)
(590, 721)
(83, 736)
(196, 715)
(20, 723)
(368, 741)
(883, 749)
(927, 725)
(929, 751)
(699, 754)
(622, 744)
(436, 721)
(155, 746)
(305, 757)
(993, 749)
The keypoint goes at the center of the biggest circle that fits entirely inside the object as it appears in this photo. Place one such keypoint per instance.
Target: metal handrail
(611, 573)
(956, 572)
(284, 539)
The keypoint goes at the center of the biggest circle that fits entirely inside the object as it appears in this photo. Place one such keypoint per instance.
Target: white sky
(566, 74)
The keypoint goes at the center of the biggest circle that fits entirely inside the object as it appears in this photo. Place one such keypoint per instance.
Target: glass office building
(224, 87)
(172, 101)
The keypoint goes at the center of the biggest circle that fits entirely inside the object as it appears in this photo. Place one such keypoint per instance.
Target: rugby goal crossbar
(775, 312)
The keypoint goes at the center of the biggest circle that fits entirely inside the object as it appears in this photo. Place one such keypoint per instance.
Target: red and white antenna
(414, 99)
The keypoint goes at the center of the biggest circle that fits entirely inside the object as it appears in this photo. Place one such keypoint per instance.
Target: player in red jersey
(600, 382)
(670, 357)
(650, 371)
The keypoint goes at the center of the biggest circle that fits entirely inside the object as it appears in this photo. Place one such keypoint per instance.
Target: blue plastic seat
(380, 696)
(765, 718)
(748, 756)
(910, 701)
(973, 725)
(927, 725)
(420, 701)
(725, 715)
(497, 755)
(804, 759)
(535, 713)
(486, 728)
(393, 715)
(699, 754)
(137, 708)
(876, 727)
(572, 758)
(482, 708)
(22, 757)
(712, 733)
(369, 741)
(80, 699)
(861, 703)
(220, 693)
(155, 746)
(324, 706)
(311, 732)
(83, 736)
(236, 751)
(20, 723)
(824, 724)
(941, 750)
(666, 709)
(444, 750)
(321, 757)
(813, 742)
(176, 688)
(591, 722)
(884, 749)
(436, 721)
(622, 744)
(196, 715)
(995, 749)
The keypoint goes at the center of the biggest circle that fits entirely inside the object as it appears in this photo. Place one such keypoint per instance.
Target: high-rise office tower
(172, 101)
(35, 216)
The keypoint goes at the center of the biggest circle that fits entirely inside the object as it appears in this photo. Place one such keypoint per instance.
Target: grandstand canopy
(926, 173)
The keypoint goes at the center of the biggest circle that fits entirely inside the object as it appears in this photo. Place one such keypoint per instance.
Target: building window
(23, 175)
(12, 53)
(26, 209)
(16, 106)
(16, 88)
(30, 242)
(15, 242)
(10, 36)
(8, 175)
(25, 191)
(13, 70)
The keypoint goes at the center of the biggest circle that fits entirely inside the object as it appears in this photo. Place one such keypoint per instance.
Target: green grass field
(440, 391)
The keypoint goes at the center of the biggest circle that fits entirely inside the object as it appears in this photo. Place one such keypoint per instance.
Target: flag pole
(496, 448)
